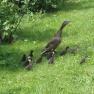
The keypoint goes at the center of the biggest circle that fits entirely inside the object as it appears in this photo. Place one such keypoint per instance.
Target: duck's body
(56, 40)
(54, 43)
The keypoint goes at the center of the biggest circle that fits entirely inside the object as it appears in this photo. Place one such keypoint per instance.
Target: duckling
(31, 53)
(28, 63)
(27, 60)
(72, 50)
(51, 58)
(64, 51)
(83, 59)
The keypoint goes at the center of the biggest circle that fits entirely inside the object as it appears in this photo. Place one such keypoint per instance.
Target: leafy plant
(9, 18)
(44, 5)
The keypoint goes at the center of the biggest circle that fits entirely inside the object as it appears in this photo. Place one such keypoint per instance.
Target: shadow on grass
(69, 5)
(12, 90)
(10, 58)
(20, 89)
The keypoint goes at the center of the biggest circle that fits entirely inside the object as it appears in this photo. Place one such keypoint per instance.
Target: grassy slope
(66, 76)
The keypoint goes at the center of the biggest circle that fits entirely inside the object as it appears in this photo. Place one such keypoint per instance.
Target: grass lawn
(66, 76)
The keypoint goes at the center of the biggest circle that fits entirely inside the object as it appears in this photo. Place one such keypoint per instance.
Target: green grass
(66, 76)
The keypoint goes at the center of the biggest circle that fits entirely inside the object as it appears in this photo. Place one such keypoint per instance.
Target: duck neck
(59, 32)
